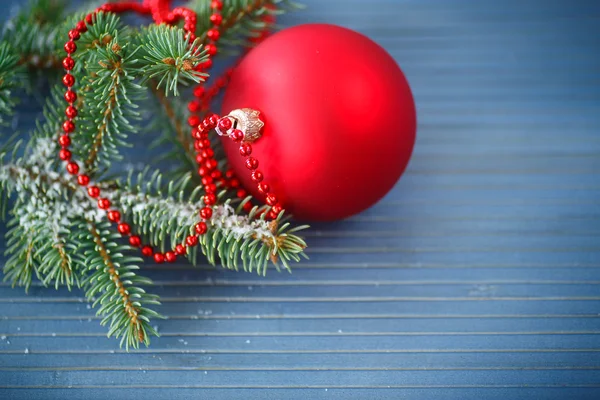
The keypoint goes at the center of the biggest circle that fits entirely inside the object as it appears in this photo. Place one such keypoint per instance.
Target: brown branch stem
(108, 115)
(131, 310)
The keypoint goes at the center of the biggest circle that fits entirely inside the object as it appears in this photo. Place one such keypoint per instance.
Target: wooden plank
(477, 277)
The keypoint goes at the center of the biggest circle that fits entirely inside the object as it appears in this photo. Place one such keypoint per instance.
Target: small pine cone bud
(187, 65)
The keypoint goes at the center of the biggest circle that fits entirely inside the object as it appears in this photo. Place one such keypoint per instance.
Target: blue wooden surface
(476, 278)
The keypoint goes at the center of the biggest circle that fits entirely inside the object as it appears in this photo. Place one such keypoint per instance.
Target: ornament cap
(248, 121)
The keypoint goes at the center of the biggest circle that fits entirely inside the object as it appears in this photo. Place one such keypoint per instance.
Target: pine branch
(242, 19)
(122, 302)
(169, 57)
(111, 94)
(57, 235)
(166, 217)
(37, 241)
(46, 19)
(56, 232)
(11, 78)
(20, 265)
(170, 121)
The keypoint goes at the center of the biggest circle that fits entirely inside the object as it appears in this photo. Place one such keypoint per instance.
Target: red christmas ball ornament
(340, 120)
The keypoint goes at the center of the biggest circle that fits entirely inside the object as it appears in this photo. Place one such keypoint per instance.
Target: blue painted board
(477, 277)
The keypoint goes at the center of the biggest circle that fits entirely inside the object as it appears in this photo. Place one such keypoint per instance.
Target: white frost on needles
(224, 216)
(46, 200)
(42, 190)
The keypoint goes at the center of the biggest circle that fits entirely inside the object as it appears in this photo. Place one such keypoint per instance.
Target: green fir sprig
(56, 233)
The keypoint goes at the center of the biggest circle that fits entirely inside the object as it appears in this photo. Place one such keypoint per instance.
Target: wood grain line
(241, 299)
(307, 334)
(315, 316)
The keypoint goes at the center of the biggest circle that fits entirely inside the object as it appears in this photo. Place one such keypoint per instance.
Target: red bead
(64, 154)
(264, 188)
(216, 4)
(74, 34)
(103, 204)
(245, 149)
(201, 228)
(70, 96)
(210, 188)
(207, 180)
(73, 168)
(213, 34)
(93, 191)
(207, 64)
(210, 199)
(203, 171)
(68, 63)
(68, 126)
(191, 240)
(89, 18)
(216, 19)
(146, 250)
(236, 135)
(204, 144)
(271, 215)
(234, 183)
(277, 209)
(241, 193)
(170, 256)
(71, 112)
(199, 159)
(207, 124)
(208, 153)
(114, 216)
(180, 250)
(135, 240)
(124, 228)
(83, 180)
(271, 199)
(206, 212)
(251, 163)
(199, 91)
(216, 174)
(159, 258)
(68, 80)
(224, 124)
(70, 47)
(248, 206)
(211, 49)
(81, 27)
(193, 120)
(108, 7)
(229, 174)
(64, 141)
(211, 164)
(199, 134)
(257, 176)
(213, 119)
(194, 106)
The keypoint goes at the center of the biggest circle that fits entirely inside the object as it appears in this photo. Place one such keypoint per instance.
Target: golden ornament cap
(248, 121)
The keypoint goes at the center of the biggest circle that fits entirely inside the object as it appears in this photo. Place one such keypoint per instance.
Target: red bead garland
(208, 166)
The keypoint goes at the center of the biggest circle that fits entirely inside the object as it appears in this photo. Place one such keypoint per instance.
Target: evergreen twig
(56, 233)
